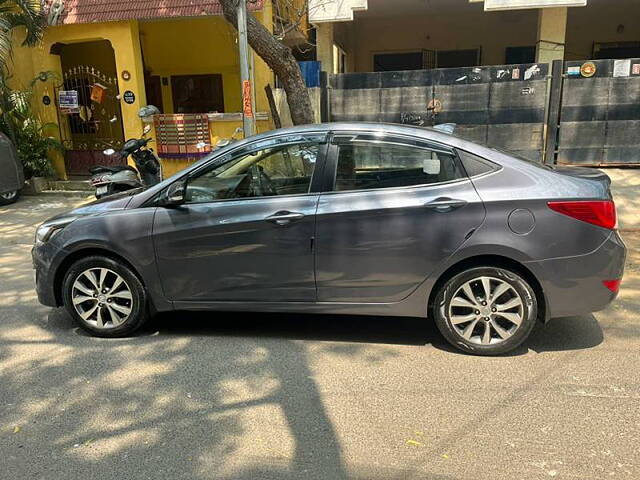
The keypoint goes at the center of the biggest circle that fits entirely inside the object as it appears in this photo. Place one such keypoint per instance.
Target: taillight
(597, 212)
(613, 285)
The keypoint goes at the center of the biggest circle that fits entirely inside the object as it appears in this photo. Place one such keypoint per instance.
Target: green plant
(33, 146)
(28, 133)
(17, 119)
(15, 14)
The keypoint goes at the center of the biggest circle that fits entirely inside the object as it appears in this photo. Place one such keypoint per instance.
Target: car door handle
(284, 218)
(444, 204)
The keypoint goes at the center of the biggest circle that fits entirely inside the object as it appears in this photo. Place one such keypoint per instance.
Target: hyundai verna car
(349, 218)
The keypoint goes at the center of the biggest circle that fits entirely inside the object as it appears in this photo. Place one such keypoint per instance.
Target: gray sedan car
(350, 218)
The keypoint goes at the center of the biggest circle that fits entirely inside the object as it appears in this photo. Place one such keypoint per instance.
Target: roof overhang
(494, 5)
(65, 12)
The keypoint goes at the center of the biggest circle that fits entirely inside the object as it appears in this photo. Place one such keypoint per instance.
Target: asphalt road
(255, 396)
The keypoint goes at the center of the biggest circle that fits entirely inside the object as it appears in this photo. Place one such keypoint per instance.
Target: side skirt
(401, 309)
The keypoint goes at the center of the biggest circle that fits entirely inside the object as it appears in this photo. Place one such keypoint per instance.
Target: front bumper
(42, 257)
(573, 285)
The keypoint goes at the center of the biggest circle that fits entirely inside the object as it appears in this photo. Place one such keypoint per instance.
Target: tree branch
(279, 58)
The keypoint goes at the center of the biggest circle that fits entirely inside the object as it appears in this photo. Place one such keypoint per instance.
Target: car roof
(424, 133)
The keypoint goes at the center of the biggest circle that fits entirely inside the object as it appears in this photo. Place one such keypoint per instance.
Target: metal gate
(600, 113)
(94, 123)
(500, 105)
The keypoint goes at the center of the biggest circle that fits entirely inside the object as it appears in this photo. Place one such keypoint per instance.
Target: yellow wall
(191, 47)
(124, 38)
(203, 45)
(171, 47)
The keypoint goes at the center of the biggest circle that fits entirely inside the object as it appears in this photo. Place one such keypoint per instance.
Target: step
(84, 194)
(72, 185)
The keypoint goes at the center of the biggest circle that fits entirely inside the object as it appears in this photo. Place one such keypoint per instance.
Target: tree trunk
(280, 59)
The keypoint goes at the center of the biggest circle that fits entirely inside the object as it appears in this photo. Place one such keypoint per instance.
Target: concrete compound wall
(458, 25)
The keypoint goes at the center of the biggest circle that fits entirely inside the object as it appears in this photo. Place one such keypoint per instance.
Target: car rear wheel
(485, 310)
(9, 197)
(104, 297)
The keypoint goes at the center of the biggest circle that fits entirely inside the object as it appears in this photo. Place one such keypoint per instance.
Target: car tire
(485, 324)
(8, 198)
(104, 297)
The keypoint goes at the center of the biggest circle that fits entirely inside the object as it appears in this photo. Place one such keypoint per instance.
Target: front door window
(275, 171)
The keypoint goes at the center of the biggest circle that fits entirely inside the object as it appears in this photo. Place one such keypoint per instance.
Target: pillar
(324, 46)
(260, 71)
(552, 30)
(128, 54)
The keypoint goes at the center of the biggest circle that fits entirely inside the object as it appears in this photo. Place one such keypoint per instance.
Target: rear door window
(475, 165)
(364, 165)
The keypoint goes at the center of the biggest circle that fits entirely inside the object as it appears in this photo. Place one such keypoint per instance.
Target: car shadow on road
(561, 334)
(188, 386)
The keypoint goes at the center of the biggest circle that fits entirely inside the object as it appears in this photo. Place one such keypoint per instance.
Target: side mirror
(147, 112)
(174, 195)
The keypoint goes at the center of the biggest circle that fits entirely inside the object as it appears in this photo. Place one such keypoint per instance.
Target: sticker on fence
(573, 71)
(621, 68)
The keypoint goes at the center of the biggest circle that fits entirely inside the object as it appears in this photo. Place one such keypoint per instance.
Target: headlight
(48, 229)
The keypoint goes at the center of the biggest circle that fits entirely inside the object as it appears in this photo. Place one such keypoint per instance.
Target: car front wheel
(485, 310)
(7, 198)
(104, 297)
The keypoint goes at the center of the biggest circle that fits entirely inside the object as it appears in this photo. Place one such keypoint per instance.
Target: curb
(61, 193)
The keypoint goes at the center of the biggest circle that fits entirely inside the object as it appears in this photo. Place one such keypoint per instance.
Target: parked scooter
(118, 178)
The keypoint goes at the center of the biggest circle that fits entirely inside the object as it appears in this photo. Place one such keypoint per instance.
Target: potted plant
(33, 146)
(28, 133)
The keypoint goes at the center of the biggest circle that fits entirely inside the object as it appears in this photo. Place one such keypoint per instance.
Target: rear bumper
(573, 285)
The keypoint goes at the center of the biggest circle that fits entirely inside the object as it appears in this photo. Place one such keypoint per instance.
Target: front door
(398, 209)
(245, 232)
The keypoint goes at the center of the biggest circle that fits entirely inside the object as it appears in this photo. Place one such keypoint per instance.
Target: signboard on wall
(68, 101)
(490, 5)
(247, 110)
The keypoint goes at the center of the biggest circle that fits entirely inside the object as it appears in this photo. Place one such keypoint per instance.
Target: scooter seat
(110, 169)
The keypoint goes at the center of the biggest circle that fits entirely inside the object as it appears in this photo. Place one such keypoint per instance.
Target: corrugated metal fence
(595, 120)
(600, 114)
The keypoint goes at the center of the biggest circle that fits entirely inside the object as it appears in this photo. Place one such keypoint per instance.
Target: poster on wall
(518, 4)
(247, 109)
(68, 101)
(98, 93)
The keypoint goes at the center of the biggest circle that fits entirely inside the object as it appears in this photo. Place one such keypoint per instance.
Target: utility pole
(248, 114)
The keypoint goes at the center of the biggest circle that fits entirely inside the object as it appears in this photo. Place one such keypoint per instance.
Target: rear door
(398, 207)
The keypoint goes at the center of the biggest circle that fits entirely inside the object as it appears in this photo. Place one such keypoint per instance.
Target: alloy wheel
(8, 196)
(102, 298)
(486, 311)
